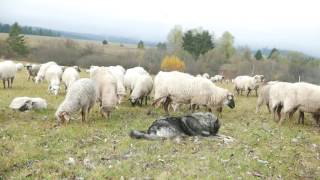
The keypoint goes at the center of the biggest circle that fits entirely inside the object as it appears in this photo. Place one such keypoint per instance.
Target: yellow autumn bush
(172, 63)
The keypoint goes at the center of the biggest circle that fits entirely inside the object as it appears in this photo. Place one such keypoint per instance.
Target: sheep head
(106, 111)
(63, 117)
(54, 89)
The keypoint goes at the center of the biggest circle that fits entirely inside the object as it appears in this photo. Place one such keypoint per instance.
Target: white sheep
(206, 75)
(7, 73)
(27, 103)
(19, 66)
(81, 96)
(142, 89)
(33, 70)
(217, 78)
(132, 75)
(247, 83)
(42, 71)
(53, 75)
(307, 100)
(69, 76)
(282, 99)
(182, 88)
(263, 95)
(118, 73)
(107, 90)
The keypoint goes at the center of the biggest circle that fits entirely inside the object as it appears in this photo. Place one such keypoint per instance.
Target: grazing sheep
(217, 78)
(142, 89)
(132, 75)
(42, 71)
(248, 83)
(182, 88)
(81, 96)
(33, 70)
(206, 75)
(7, 73)
(69, 76)
(107, 90)
(118, 73)
(27, 103)
(282, 99)
(263, 95)
(19, 66)
(196, 124)
(77, 68)
(53, 75)
(307, 100)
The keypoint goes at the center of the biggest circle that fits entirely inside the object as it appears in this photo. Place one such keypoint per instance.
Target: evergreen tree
(161, 46)
(140, 45)
(197, 42)
(104, 42)
(258, 55)
(16, 40)
(274, 54)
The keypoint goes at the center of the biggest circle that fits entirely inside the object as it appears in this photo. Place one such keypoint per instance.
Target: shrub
(171, 63)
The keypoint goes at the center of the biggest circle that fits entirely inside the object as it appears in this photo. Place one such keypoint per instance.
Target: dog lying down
(195, 124)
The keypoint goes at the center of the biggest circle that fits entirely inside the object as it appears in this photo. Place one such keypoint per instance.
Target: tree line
(5, 28)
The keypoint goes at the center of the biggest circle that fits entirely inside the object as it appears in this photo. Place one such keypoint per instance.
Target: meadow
(32, 146)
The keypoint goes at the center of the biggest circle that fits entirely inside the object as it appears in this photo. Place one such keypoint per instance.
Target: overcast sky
(284, 24)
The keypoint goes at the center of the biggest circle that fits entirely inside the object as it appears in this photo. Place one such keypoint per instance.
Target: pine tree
(16, 40)
(196, 42)
(274, 54)
(140, 45)
(258, 55)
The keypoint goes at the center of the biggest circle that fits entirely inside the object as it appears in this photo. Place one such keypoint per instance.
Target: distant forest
(30, 30)
(5, 28)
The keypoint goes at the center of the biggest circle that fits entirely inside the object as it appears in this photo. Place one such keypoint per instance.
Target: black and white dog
(196, 124)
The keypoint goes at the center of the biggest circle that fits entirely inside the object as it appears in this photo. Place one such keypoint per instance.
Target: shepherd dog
(195, 124)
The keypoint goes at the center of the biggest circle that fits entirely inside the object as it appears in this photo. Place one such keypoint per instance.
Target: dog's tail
(143, 135)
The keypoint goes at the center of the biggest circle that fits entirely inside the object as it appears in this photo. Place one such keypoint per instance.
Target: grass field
(31, 146)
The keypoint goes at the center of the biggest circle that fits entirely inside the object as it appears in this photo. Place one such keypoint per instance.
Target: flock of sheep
(107, 86)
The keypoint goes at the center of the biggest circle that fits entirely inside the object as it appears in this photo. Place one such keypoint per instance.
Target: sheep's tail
(143, 135)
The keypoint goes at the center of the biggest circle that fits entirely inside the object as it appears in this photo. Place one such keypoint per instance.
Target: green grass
(31, 146)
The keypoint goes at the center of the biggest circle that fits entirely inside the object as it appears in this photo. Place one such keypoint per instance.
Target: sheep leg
(256, 92)
(241, 92)
(8, 83)
(84, 113)
(11, 81)
(282, 118)
(237, 91)
(146, 100)
(141, 101)
(166, 105)
(249, 90)
(4, 83)
(267, 104)
(219, 110)
(301, 117)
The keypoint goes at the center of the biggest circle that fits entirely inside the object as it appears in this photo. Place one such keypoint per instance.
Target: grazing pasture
(32, 146)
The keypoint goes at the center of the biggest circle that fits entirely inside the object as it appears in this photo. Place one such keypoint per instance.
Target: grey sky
(283, 24)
